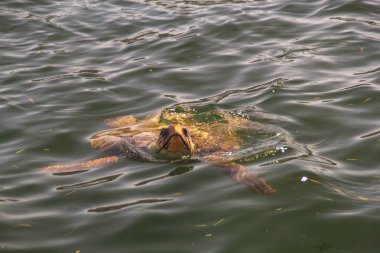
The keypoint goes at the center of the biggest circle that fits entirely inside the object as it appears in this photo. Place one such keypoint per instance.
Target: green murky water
(309, 68)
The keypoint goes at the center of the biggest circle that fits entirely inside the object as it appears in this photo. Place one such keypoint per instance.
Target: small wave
(274, 84)
(368, 22)
(370, 134)
(367, 72)
(109, 208)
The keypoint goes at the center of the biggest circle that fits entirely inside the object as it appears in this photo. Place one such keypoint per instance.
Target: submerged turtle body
(177, 133)
(211, 131)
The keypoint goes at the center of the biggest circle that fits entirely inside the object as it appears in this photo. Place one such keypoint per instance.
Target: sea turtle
(178, 133)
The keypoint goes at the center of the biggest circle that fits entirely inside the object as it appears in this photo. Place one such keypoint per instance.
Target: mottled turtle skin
(175, 133)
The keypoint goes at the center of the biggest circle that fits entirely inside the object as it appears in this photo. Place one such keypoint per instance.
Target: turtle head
(175, 140)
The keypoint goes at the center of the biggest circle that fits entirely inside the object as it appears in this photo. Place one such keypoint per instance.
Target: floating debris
(365, 101)
(219, 222)
(20, 151)
(315, 181)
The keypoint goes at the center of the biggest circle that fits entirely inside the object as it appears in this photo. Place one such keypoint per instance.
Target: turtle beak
(177, 144)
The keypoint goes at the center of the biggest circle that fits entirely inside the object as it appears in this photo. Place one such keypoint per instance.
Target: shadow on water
(176, 172)
(94, 182)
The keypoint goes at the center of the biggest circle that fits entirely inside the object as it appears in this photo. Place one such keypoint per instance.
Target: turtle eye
(164, 132)
(185, 132)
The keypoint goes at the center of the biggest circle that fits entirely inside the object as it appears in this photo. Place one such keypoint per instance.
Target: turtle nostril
(185, 132)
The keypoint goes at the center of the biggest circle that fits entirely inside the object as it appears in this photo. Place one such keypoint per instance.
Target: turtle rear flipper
(257, 184)
(240, 175)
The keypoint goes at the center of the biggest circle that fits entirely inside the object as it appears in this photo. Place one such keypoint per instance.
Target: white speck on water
(281, 148)
(304, 179)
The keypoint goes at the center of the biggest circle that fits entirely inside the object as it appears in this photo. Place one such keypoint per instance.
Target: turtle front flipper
(151, 120)
(86, 165)
(110, 145)
(121, 121)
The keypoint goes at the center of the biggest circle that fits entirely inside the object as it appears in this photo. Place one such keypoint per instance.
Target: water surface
(308, 68)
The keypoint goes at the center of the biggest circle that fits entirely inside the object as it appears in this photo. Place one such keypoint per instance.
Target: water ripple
(368, 22)
(368, 72)
(370, 134)
(122, 206)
